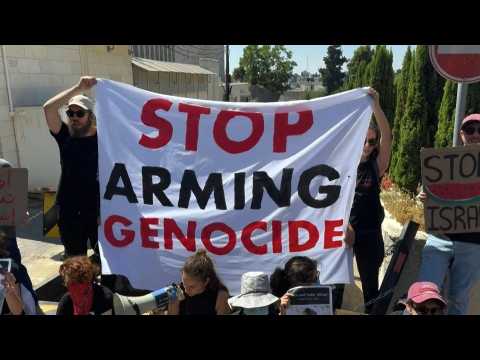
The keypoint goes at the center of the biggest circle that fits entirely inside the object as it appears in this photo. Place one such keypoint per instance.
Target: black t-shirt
(201, 304)
(102, 302)
(78, 191)
(367, 211)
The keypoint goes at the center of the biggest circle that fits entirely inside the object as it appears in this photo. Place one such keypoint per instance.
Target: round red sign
(460, 63)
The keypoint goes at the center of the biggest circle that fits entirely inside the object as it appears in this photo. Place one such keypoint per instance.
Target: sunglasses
(470, 130)
(371, 142)
(423, 310)
(78, 113)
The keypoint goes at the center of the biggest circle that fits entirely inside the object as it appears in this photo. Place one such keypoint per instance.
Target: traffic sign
(460, 63)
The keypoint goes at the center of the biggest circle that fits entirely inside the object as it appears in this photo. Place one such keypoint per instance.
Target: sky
(310, 57)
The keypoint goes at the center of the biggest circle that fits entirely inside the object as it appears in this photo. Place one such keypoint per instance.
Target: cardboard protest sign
(451, 180)
(251, 183)
(13, 196)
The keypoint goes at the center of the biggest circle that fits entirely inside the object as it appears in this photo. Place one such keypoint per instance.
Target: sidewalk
(41, 256)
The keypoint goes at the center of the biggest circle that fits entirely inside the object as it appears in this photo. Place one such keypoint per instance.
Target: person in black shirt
(364, 230)
(84, 296)
(204, 292)
(78, 198)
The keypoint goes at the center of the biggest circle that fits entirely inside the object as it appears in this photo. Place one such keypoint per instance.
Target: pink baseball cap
(423, 291)
(470, 118)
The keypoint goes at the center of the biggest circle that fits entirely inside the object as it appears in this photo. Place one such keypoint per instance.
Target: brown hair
(200, 266)
(78, 269)
(298, 270)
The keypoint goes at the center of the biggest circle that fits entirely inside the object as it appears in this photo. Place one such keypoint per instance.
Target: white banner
(252, 183)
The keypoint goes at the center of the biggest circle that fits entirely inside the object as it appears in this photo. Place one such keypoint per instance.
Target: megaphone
(137, 305)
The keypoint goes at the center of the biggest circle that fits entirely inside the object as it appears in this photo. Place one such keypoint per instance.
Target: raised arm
(52, 106)
(385, 143)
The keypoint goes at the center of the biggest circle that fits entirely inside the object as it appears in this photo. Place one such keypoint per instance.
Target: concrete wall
(214, 90)
(37, 148)
(37, 72)
(178, 84)
(240, 92)
(191, 54)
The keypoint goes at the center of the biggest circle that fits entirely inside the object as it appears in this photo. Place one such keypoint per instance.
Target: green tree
(413, 124)
(268, 66)
(446, 115)
(332, 74)
(239, 74)
(435, 84)
(357, 66)
(381, 79)
(402, 80)
(473, 99)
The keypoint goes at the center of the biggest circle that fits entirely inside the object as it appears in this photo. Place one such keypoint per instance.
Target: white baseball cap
(83, 101)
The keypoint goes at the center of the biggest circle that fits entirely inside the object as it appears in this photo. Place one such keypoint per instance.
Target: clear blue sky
(315, 54)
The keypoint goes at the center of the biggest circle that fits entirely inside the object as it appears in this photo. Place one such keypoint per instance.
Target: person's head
(254, 297)
(198, 274)
(81, 116)
(370, 146)
(78, 270)
(470, 129)
(424, 299)
(299, 270)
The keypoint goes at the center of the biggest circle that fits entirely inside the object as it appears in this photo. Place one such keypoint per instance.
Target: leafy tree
(268, 66)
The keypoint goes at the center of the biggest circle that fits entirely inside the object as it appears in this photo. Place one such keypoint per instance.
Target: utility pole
(227, 74)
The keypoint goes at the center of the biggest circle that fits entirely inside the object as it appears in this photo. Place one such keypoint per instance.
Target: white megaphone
(137, 305)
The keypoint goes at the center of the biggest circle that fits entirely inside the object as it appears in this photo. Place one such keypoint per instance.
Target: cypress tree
(401, 97)
(446, 115)
(357, 66)
(332, 74)
(381, 78)
(473, 99)
(435, 84)
(413, 124)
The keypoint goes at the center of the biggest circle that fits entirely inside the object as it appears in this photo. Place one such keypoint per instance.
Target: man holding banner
(251, 183)
(457, 252)
(77, 196)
